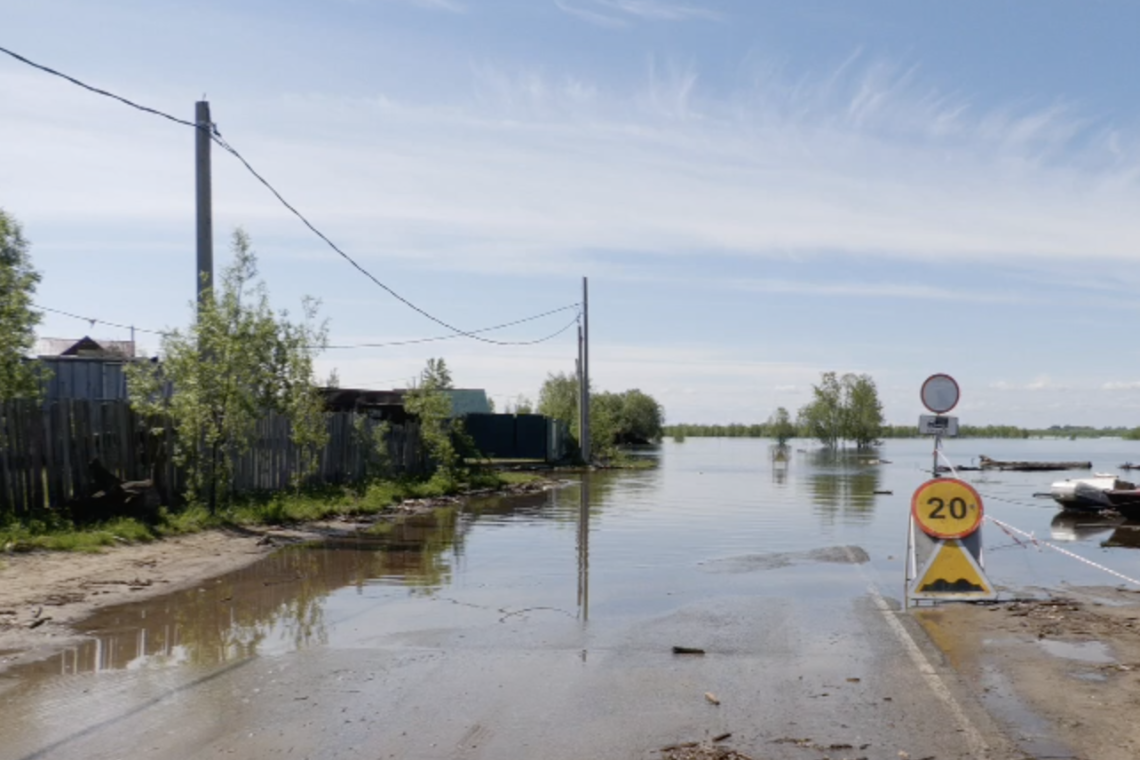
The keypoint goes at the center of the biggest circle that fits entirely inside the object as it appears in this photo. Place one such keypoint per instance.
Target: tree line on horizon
(847, 409)
(767, 430)
(843, 409)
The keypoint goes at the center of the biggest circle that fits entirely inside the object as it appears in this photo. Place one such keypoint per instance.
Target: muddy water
(712, 516)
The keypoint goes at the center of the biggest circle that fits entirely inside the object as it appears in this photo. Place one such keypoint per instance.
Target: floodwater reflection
(843, 483)
(584, 549)
(278, 604)
(1126, 535)
(781, 455)
(1069, 525)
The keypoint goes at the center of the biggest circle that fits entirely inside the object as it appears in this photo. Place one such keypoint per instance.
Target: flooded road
(543, 626)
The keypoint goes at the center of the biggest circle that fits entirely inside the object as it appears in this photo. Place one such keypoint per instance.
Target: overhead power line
(534, 342)
(216, 136)
(95, 320)
(473, 332)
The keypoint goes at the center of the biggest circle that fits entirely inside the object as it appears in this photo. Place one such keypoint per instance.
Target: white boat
(1088, 493)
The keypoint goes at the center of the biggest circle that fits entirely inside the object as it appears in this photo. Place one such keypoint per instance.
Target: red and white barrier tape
(1010, 530)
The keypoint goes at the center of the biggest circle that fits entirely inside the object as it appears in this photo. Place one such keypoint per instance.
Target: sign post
(944, 556)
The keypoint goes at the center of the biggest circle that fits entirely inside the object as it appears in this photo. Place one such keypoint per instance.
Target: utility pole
(585, 370)
(204, 274)
(578, 364)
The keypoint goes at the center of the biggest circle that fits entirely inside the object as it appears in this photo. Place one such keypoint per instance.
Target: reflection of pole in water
(584, 549)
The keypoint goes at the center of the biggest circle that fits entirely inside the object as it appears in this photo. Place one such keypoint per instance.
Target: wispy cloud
(435, 5)
(538, 169)
(870, 290)
(1040, 383)
(619, 13)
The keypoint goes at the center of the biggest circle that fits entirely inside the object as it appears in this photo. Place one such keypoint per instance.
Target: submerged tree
(236, 362)
(781, 427)
(822, 418)
(844, 408)
(18, 320)
(863, 413)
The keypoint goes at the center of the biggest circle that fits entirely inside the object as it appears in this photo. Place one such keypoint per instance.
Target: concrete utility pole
(585, 370)
(581, 396)
(204, 274)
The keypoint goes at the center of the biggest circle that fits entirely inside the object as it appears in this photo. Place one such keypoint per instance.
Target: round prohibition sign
(947, 508)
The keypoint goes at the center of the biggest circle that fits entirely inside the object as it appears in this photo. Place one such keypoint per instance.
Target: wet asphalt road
(542, 685)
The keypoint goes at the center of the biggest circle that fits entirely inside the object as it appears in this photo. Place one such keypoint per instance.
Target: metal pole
(204, 274)
(937, 446)
(586, 370)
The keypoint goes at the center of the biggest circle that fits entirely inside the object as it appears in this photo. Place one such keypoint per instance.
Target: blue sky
(758, 191)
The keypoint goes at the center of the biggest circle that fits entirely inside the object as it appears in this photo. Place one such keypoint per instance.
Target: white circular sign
(940, 393)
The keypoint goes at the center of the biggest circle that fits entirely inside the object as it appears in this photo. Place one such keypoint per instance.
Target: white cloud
(1131, 385)
(541, 168)
(616, 13)
(592, 16)
(435, 5)
(1040, 383)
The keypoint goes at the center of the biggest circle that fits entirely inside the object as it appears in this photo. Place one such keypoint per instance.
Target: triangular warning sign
(952, 573)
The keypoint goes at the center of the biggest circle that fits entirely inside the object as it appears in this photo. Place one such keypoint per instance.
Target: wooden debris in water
(687, 650)
(994, 464)
(712, 698)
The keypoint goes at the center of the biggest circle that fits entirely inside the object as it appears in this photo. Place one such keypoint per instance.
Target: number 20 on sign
(947, 508)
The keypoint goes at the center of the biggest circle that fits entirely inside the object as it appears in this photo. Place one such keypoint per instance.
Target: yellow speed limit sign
(947, 508)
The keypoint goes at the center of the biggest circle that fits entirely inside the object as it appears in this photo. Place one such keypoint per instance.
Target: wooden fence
(46, 452)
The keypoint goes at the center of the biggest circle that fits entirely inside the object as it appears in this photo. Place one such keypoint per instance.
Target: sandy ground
(1065, 669)
(43, 594)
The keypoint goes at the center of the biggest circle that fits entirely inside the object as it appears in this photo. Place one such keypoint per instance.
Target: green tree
(823, 417)
(606, 410)
(843, 409)
(862, 412)
(18, 320)
(558, 399)
(437, 375)
(615, 418)
(237, 361)
(641, 419)
(429, 403)
(780, 426)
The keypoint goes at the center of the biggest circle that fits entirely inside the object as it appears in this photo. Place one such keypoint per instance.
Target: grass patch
(63, 536)
(517, 478)
(55, 533)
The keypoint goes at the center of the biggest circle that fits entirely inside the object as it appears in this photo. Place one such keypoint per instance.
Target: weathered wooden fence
(46, 452)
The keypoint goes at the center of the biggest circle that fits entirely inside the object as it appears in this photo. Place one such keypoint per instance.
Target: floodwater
(583, 566)
(714, 510)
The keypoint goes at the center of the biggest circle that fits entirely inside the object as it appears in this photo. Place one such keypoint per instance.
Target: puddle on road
(274, 605)
(1092, 652)
(844, 555)
(1035, 733)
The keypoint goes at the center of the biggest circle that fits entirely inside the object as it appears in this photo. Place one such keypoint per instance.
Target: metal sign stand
(948, 515)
